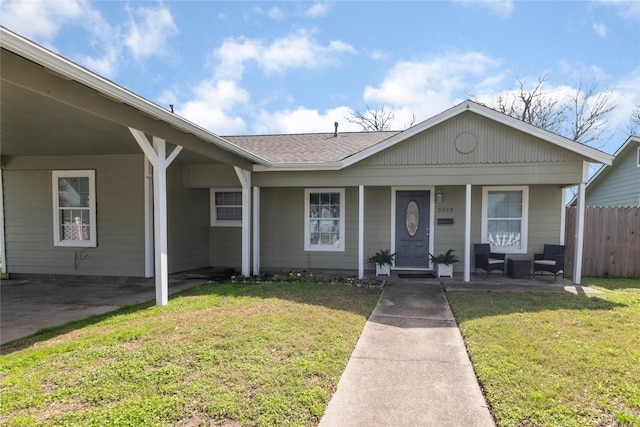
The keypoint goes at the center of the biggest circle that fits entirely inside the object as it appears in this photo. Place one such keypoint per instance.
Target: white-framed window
(505, 218)
(324, 219)
(74, 208)
(226, 207)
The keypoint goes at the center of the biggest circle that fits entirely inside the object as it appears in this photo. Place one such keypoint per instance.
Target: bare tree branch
(372, 120)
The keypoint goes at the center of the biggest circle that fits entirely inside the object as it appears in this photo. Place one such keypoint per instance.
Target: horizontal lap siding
(282, 233)
(619, 185)
(225, 247)
(188, 223)
(120, 217)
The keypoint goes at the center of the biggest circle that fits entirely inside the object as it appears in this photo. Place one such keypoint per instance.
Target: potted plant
(445, 263)
(383, 260)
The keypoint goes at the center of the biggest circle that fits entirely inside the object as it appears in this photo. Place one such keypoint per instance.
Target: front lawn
(556, 359)
(232, 355)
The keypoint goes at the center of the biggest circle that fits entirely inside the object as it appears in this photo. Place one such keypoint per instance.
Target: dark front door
(412, 229)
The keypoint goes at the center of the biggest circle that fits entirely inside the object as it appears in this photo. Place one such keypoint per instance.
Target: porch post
(148, 219)
(245, 179)
(580, 212)
(361, 232)
(467, 235)
(156, 154)
(256, 231)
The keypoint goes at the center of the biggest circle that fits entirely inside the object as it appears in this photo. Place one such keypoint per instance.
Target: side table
(519, 268)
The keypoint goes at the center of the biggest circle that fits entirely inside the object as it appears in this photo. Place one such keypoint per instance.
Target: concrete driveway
(33, 303)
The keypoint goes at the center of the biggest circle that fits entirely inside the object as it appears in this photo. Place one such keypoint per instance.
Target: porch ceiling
(44, 113)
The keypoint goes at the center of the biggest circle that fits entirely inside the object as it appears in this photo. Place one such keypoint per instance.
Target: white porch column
(256, 231)
(361, 232)
(467, 235)
(580, 212)
(245, 179)
(148, 219)
(156, 154)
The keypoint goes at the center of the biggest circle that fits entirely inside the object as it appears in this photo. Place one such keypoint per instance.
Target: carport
(52, 107)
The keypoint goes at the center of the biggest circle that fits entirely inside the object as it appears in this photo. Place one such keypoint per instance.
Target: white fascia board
(71, 71)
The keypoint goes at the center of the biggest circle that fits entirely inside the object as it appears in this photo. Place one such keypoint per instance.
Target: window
(74, 208)
(504, 218)
(226, 207)
(324, 220)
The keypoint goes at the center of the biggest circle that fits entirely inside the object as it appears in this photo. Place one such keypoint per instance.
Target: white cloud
(377, 54)
(600, 29)
(430, 86)
(40, 20)
(298, 50)
(215, 107)
(317, 10)
(275, 13)
(148, 31)
(303, 120)
(502, 8)
(629, 9)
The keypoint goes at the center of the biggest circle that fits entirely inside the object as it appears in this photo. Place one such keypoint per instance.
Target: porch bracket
(245, 180)
(156, 153)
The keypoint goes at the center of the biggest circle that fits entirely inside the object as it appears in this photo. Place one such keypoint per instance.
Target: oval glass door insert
(412, 218)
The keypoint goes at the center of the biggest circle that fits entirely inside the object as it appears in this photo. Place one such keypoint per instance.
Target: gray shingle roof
(309, 147)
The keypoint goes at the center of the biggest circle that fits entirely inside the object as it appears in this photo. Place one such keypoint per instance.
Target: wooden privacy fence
(611, 241)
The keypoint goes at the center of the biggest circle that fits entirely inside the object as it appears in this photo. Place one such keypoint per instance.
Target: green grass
(233, 355)
(556, 359)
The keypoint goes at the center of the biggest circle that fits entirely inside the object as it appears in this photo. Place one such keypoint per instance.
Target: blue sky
(283, 67)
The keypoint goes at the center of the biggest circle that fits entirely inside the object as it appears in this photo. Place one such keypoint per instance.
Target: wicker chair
(487, 260)
(552, 260)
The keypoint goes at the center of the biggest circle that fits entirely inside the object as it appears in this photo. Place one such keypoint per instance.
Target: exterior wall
(188, 223)
(120, 217)
(282, 226)
(282, 233)
(619, 184)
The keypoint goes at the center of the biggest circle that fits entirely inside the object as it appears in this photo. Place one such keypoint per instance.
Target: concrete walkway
(409, 368)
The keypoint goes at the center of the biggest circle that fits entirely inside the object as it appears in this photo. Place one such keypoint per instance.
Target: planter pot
(445, 270)
(383, 269)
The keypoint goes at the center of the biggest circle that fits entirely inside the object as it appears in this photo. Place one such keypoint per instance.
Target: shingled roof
(309, 147)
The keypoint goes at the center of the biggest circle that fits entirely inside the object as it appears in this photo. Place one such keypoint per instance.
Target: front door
(412, 228)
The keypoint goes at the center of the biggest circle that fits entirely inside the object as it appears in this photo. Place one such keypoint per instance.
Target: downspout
(245, 180)
(580, 212)
(3, 250)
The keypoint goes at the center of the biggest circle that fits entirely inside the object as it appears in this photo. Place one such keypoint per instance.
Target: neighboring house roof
(628, 149)
(313, 148)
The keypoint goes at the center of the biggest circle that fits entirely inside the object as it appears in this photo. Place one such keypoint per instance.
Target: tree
(375, 120)
(634, 121)
(580, 116)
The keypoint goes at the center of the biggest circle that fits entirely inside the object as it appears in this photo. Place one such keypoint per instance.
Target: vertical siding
(495, 144)
(120, 217)
(188, 223)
